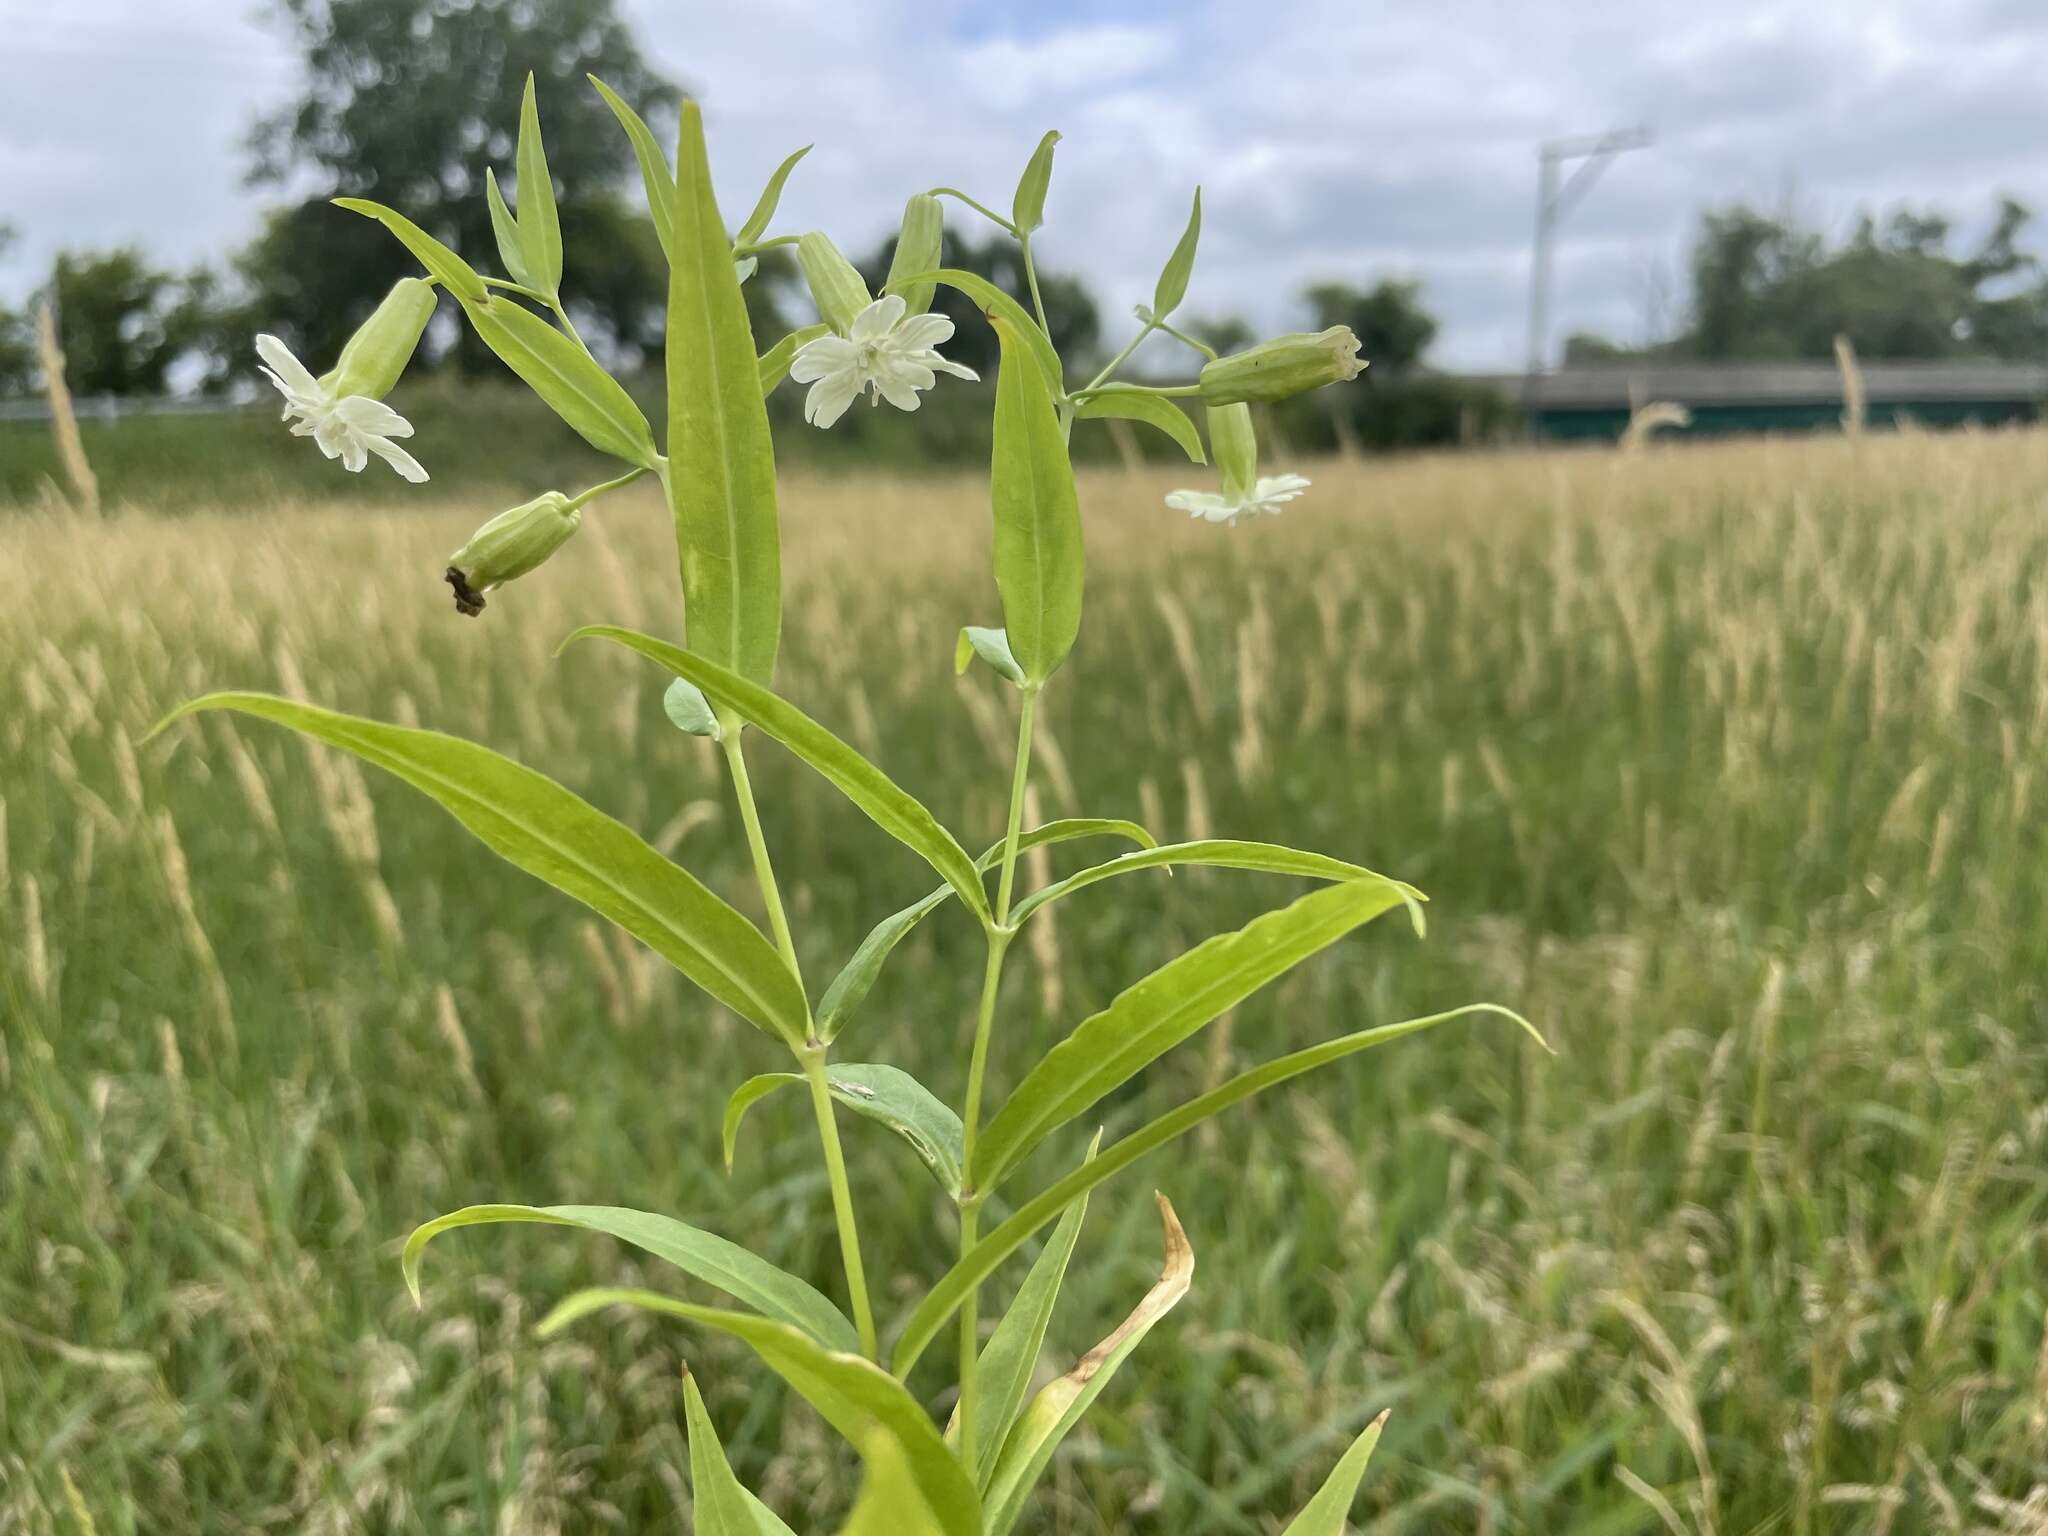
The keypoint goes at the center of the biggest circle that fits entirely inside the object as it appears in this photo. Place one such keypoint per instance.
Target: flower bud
(508, 546)
(917, 249)
(1284, 367)
(1234, 447)
(377, 354)
(835, 287)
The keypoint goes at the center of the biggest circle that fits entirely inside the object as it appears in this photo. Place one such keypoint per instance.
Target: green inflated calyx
(1234, 445)
(1284, 367)
(377, 354)
(835, 287)
(510, 545)
(918, 250)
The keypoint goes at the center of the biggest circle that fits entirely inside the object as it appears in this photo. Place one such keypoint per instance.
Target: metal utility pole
(1553, 202)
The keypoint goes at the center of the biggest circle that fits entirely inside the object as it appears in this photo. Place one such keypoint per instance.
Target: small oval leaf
(1027, 208)
(1173, 278)
(689, 711)
(992, 646)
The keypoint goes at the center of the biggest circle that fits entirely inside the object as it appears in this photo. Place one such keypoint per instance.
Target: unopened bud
(377, 354)
(508, 546)
(1284, 367)
(1234, 446)
(917, 249)
(835, 287)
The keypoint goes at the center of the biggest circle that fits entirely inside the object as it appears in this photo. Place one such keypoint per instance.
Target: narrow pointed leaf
(558, 369)
(1038, 555)
(719, 1506)
(505, 229)
(849, 989)
(1226, 853)
(1027, 208)
(1057, 1409)
(880, 1093)
(890, 1502)
(456, 275)
(943, 1299)
(1010, 1357)
(1109, 1048)
(1325, 1514)
(774, 363)
(540, 223)
(721, 480)
(655, 174)
(874, 792)
(741, 1274)
(856, 1397)
(1173, 278)
(551, 833)
(992, 646)
(1154, 412)
(1069, 828)
(994, 302)
(764, 210)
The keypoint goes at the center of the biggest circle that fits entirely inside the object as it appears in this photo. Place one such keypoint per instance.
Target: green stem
(987, 213)
(755, 247)
(1121, 358)
(1182, 336)
(813, 1059)
(1163, 391)
(977, 1070)
(764, 870)
(586, 497)
(561, 314)
(1031, 278)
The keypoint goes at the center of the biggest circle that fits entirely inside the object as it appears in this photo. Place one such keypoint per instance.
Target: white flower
(1270, 494)
(887, 352)
(349, 428)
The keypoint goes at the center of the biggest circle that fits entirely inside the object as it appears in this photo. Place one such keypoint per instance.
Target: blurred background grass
(1723, 763)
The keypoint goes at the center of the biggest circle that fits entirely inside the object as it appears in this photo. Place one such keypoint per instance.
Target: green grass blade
(890, 807)
(1057, 1409)
(554, 835)
(1149, 1018)
(655, 174)
(1224, 853)
(721, 479)
(855, 1396)
(1161, 415)
(998, 1244)
(540, 222)
(741, 1274)
(1324, 1515)
(1038, 557)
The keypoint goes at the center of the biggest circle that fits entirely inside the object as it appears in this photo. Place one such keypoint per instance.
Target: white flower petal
(827, 354)
(291, 375)
(373, 417)
(922, 331)
(947, 365)
(397, 458)
(878, 319)
(1204, 504)
(830, 397)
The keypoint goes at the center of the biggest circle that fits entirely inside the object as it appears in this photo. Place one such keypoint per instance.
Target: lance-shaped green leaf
(1038, 554)
(1027, 208)
(890, 1502)
(558, 369)
(1325, 1514)
(719, 1505)
(741, 1274)
(774, 363)
(882, 1094)
(540, 223)
(1066, 830)
(993, 302)
(505, 229)
(1007, 1361)
(873, 791)
(456, 275)
(992, 646)
(655, 174)
(1173, 277)
(721, 479)
(1057, 1409)
(551, 833)
(855, 1396)
(764, 210)
(1134, 405)
(1143, 1023)
(1224, 853)
(944, 1298)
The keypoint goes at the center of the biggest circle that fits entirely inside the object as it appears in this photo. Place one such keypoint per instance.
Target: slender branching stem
(1163, 391)
(984, 1026)
(755, 247)
(584, 498)
(1183, 337)
(813, 1059)
(764, 868)
(987, 213)
(561, 314)
(1031, 279)
(1110, 368)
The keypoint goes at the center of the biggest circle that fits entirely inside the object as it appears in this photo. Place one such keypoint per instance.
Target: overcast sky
(1333, 138)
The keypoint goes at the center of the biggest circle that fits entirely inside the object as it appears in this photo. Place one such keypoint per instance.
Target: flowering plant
(974, 1473)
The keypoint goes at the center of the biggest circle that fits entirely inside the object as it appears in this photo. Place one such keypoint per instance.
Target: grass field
(1727, 765)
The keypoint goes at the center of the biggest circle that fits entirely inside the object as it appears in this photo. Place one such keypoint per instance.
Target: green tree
(406, 101)
(123, 324)
(17, 341)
